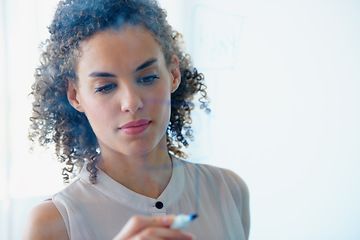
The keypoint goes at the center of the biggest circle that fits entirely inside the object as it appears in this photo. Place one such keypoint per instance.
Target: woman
(114, 94)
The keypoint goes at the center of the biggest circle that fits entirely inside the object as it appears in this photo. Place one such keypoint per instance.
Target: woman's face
(124, 87)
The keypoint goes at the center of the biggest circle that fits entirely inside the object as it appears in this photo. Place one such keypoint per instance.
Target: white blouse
(99, 211)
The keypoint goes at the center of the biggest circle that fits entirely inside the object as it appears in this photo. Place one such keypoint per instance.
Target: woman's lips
(135, 127)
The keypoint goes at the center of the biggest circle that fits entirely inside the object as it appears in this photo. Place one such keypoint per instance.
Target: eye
(148, 80)
(106, 88)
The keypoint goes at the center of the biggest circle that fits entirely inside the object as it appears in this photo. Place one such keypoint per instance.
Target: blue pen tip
(193, 216)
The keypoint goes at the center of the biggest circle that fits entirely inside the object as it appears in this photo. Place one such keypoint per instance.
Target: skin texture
(127, 95)
(124, 95)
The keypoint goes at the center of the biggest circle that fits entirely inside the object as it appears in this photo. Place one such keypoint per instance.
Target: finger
(137, 237)
(164, 233)
(158, 221)
(137, 223)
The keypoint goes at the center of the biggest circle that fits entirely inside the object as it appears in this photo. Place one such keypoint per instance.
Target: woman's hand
(141, 227)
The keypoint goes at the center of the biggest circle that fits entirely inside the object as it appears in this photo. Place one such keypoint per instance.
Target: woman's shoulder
(217, 171)
(219, 174)
(238, 189)
(240, 193)
(45, 222)
(236, 179)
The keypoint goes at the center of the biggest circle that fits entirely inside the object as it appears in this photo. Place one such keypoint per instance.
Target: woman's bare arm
(45, 222)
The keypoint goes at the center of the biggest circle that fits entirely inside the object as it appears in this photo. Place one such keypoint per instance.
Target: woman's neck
(147, 175)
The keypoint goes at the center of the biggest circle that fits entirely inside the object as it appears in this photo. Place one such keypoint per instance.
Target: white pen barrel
(182, 221)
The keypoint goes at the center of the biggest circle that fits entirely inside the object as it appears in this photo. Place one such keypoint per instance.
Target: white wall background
(284, 80)
(25, 179)
(284, 77)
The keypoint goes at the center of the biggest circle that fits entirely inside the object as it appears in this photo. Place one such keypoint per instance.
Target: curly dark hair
(55, 121)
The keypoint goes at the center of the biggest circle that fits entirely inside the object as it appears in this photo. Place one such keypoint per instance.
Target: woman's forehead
(129, 46)
(130, 33)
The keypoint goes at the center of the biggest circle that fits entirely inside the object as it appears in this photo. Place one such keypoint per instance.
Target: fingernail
(168, 219)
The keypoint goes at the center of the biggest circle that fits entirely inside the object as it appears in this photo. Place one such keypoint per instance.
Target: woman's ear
(175, 73)
(73, 95)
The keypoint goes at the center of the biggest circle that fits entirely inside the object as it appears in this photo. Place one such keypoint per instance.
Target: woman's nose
(130, 99)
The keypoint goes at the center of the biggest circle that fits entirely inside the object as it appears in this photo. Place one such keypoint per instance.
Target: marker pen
(183, 220)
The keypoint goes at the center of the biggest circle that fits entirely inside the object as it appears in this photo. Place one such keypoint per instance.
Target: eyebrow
(146, 64)
(101, 74)
(142, 66)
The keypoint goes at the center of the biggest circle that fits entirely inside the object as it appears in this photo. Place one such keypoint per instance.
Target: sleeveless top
(99, 211)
